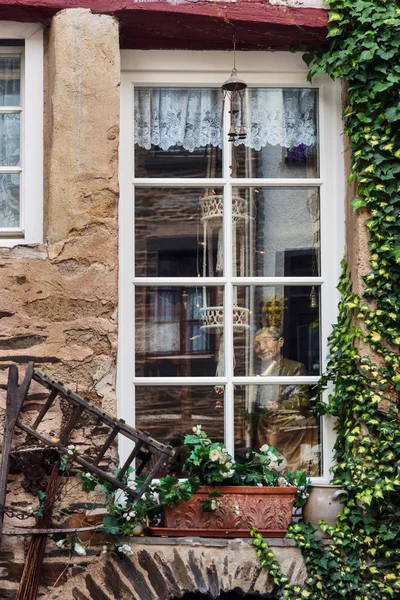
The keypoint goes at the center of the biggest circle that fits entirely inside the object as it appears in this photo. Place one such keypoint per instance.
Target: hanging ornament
(234, 89)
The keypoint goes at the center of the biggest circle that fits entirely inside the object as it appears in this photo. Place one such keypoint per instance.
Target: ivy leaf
(357, 203)
(392, 114)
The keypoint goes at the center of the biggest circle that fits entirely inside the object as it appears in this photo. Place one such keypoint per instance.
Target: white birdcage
(212, 317)
(212, 212)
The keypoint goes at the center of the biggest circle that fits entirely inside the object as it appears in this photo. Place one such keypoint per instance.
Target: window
(21, 133)
(233, 250)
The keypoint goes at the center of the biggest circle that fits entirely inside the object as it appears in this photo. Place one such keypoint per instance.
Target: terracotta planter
(323, 504)
(267, 508)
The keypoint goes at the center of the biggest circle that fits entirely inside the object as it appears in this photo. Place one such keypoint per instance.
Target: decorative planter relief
(267, 508)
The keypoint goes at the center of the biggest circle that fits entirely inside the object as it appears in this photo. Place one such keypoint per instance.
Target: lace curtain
(9, 141)
(192, 117)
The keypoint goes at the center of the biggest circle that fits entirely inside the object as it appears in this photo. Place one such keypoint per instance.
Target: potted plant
(222, 497)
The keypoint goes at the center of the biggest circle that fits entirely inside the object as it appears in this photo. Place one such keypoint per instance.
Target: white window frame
(258, 69)
(31, 123)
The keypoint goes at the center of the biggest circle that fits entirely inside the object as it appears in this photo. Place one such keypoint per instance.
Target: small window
(21, 135)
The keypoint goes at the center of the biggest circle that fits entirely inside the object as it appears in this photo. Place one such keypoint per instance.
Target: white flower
(29, 510)
(197, 430)
(259, 484)
(236, 509)
(215, 504)
(61, 543)
(88, 475)
(222, 458)
(282, 482)
(79, 549)
(105, 550)
(264, 448)
(125, 549)
(132, 513)
(214, 455)
(71, 447)
(128, 518)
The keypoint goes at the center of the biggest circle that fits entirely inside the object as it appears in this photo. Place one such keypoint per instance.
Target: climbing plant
(363, 561)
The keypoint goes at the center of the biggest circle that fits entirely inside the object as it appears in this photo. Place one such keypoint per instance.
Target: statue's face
(267, 347)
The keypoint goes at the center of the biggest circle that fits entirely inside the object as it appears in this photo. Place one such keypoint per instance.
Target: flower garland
(363, 561)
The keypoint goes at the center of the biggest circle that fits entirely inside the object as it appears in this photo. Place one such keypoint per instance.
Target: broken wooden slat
(52, 396)
(153, 473)
(130, 459)
(71, 424)
(15, 399)
(106, 445)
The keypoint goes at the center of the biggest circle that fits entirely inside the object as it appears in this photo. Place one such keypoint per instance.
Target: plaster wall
(58, 305)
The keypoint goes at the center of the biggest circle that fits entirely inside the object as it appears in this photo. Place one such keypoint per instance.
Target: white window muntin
(284, 70)
(30, 168)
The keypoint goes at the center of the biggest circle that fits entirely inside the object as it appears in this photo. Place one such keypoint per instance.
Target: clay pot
(323, 504)
(267, 508)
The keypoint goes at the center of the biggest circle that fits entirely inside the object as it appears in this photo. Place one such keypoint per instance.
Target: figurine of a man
(282, 416)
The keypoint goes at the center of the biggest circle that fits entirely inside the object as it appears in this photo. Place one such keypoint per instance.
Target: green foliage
(172, 492)
(363, 562)
(211, 464)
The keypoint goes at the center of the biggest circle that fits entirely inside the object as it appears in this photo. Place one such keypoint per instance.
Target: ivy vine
(363, 561)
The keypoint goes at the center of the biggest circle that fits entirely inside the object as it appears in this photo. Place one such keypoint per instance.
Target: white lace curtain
(192, 118)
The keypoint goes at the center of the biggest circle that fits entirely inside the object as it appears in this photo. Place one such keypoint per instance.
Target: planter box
(267, 508)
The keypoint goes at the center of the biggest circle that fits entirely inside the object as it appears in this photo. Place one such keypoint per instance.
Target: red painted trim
(194, 25)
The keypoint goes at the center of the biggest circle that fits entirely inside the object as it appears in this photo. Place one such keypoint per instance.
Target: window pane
(282, 134)
(169, 413)
(284, 335)
(9, 200)
(177, 333)
(178, 232)
(178, 132)
(277, 232)
(9, 140)
(10, 74)
(280, 416)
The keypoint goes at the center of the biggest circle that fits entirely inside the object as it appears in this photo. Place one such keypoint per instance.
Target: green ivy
(363, 561)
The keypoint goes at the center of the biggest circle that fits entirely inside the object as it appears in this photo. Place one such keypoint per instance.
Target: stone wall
(58, 305)
(162, 568)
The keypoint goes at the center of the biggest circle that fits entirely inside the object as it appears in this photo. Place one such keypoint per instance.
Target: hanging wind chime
(234, 90)
(211, 205)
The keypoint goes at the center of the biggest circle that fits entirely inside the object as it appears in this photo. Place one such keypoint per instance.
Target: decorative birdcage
(212, 317)
(212, 212)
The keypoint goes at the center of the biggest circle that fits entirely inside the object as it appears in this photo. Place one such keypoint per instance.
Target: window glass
(10, 78)
(177, 333)
(168, 413)
(280, 416)
(276, 232)
(282, 134)
(9, 200)
(178, 232)
(283, 337)
(178, 132)
(10, 141)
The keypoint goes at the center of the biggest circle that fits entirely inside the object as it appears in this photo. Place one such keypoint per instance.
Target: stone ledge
(207, 542)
